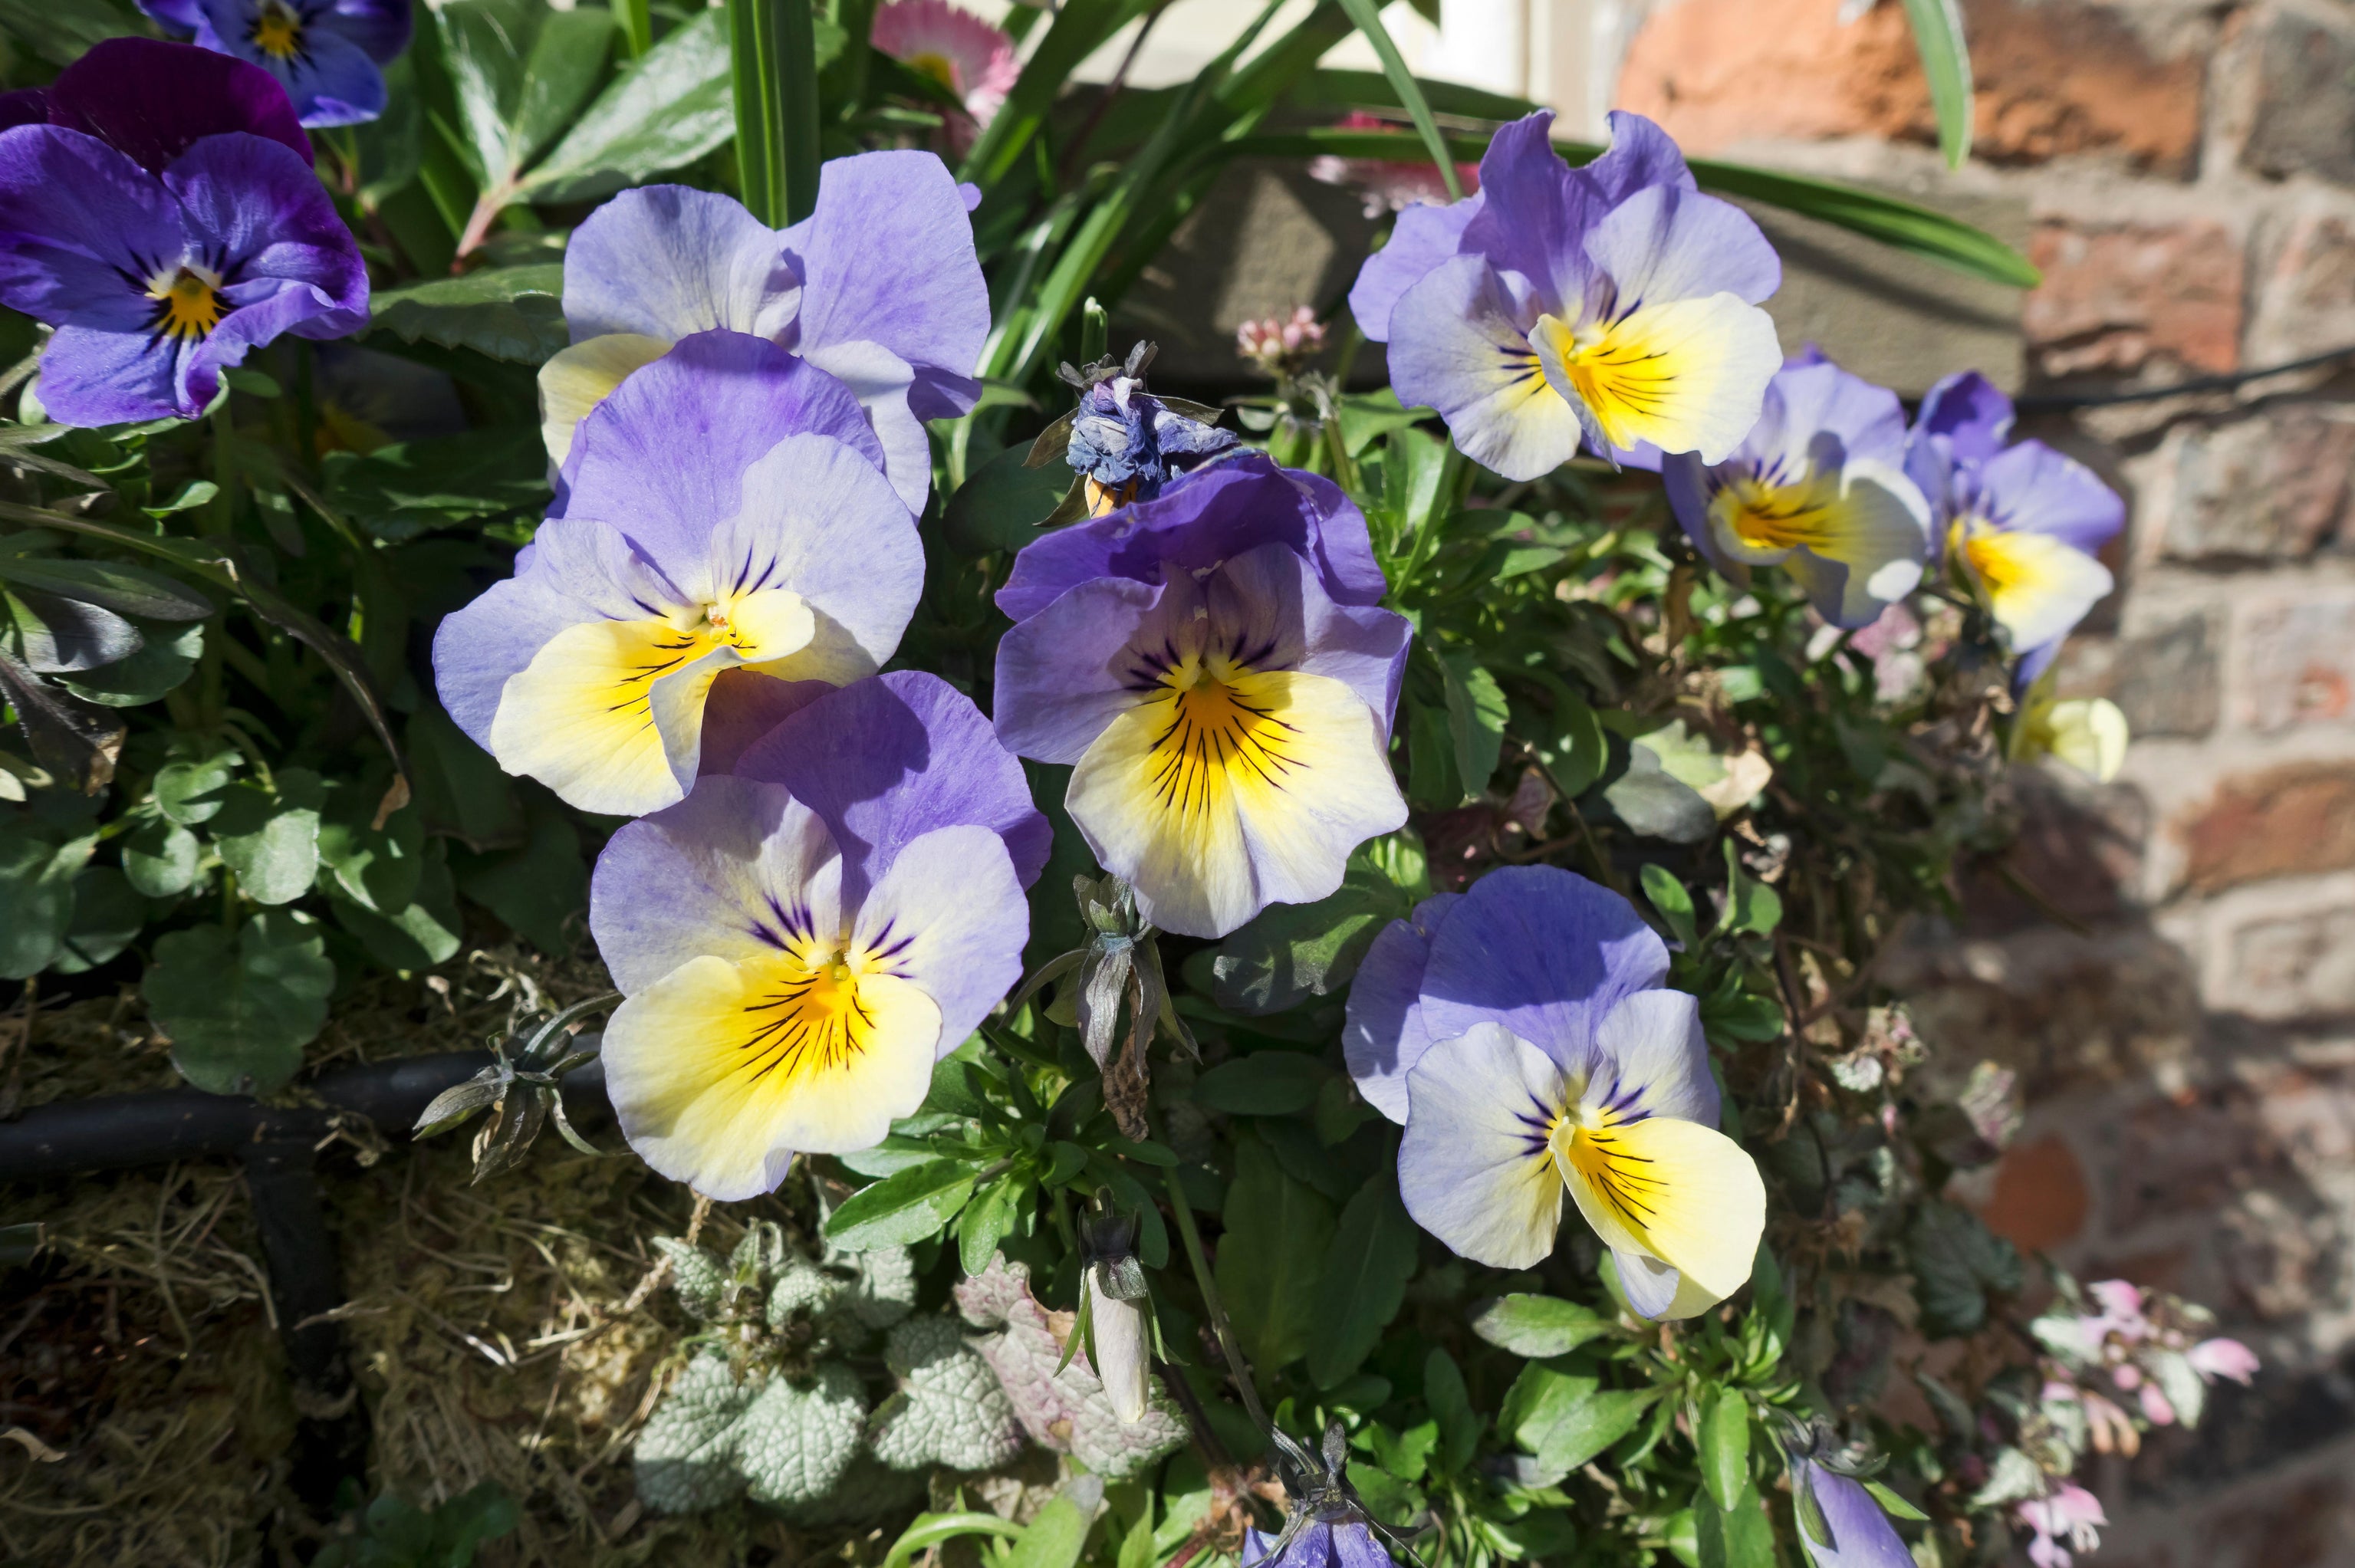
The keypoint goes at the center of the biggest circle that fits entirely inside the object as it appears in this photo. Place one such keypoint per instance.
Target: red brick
(2263, 488)
(2304, 291)
(2292, 820)
(2041, 1199)
(2053, 80)
(2116, 298)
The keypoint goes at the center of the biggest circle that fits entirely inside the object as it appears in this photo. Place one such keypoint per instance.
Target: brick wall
(2184, 175)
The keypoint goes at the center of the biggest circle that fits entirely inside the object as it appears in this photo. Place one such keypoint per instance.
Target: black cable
(2058, 402)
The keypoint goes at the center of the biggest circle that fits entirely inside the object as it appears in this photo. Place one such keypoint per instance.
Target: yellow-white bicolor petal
(1669, 1189)
(2037, 586)
(1474, 1166)
(1686, 375)
(1226, 790)
(1457, 345)
(576, 379)
(2090, 734)
(720, 1071)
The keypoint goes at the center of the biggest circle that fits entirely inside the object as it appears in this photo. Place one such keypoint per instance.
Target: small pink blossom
(2121, 1305)
(1389, 185)
(2213, 1358)
(2071, 1515)
(956, 48)
(2156, 1405)
(1281, 343)
(2111, 1428)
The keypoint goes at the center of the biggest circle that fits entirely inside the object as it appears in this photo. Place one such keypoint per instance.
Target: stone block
(2078, 849)
(2190, 1155)
(2305, 95)
(2054, 79)
(2273, 486)
(2117, 297)
(2164, 674)
(2297, 664)
(2305, 290)
(2300, 966)
(2296, 820)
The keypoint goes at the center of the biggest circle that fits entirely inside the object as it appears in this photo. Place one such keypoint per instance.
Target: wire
(2050, 402)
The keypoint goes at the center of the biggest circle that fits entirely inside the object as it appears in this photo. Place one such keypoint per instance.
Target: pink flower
(1388, 184)
(2213, 1358)
(2071, 1514)
(2156, 1405)
(2121, 1305)
(1281, 343)
(956, 48)
(2112, 1431)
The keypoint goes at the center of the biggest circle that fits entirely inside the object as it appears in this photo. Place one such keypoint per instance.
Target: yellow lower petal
(2037, 586)
(1685, 375)
(576, 379)
(1227, 790)
(1684, 1193)
(580, 718)
(722, 1071)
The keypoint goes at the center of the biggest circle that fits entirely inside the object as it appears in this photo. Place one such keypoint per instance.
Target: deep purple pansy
(166, 221)
(800, 940)
(328, 55)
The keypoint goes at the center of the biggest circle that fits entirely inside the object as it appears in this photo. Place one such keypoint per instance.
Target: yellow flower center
(1994, 557)
(187, 303)
(1213, 735)
(1588, 1143)
(805, 1016)
(1777, 516)
(937, 66)
(277, 31)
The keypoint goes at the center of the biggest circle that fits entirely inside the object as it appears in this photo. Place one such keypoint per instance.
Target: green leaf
(1957, 1262)
(1574, 748)
(1054, 1540)
(37, 898)
(773, 46)
(506, 313)
(930, 1529)
(376, 868)
(54, 634)
(108, 914)
(1477, 712)
(1450, 1403)
(168, 660)
(459, 786)
(1537, 1327)
(1946, 62)
(666, 112)
(988, 1221)
(1278, 1232)
(240, 1010)
(1565, 1419)
(1366, 15)
(1265, 1083)
(1735, 1537)
(132, 591)
(1001, 504)
(1723, 1444)
(1749, 904)
(904, 1208)
(1673, 903)
(1388, 1497)
(1364, 1280)
(401, 491)
(271, 843)
(1893, 1503)
(159, 858)
(541, 890)
(1655, 806)
(1290, 953)
(520, 71)
(1431, 777)
(417, 935)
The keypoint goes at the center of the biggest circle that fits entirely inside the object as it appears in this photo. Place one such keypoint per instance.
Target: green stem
(775, 44)
(1236, 1367)
(636, 19)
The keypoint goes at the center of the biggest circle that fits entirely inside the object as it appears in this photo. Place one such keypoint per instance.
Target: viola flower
(879, 287)
(167, 221)
(2020, 522)
(329, 55)
(1215, 665)
(1818, 487)
(1388, 184)
(1326, 1525)
(1520, 1032)
(727, 511)
(956, 49)
(799, 941)
(1125, 444)
(1614, 302)
(2071, 1515)
(1861, 1535)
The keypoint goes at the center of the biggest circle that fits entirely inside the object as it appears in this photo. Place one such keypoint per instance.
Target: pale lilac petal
(1667, 243)
(887, 257)
(1658, 1060)
(1536, 213)
(1061, 674)
(884, 760)
(882, 383)
(1641, 156)
(949, 916)
(1214, 514)
(1543, 952)
(743, 706)
(1292, 626)
(1459, 344)
(670, 262)
(2032, 487)
(664, 457)
(1649, 1284)
(1474, 1168)
(1862, 1536)
(296, 307)
(153, 100)
(1423, 237)
(722, 872)
(1384, 1036)
(1970, 413)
